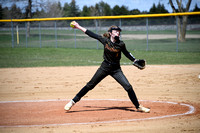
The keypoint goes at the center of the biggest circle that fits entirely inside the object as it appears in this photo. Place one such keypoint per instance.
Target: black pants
(113, 70)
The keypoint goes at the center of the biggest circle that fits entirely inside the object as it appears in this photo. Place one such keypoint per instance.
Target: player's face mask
(115, 32)
(116, 38)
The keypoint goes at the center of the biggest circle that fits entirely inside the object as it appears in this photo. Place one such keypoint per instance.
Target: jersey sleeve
(127, 53)
(96, 36)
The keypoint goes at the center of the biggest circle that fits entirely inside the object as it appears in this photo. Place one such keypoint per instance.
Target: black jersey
(112, 51)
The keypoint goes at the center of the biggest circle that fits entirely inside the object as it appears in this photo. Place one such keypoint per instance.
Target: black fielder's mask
(115, 28)
(117, 38)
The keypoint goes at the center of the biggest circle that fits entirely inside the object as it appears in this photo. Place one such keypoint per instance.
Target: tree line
(54, 9)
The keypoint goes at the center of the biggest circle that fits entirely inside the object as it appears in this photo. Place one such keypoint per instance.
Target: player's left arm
(127, 53)
(139, 63)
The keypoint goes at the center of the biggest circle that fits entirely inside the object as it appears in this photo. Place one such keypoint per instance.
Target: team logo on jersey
(111, 48)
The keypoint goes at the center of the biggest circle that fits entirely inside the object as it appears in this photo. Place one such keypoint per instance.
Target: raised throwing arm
(77, 26)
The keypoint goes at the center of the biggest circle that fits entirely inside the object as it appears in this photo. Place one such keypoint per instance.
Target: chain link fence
(142, 34)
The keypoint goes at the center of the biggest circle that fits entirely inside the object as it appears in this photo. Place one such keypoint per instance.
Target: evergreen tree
(116, 10)
(153, 9)
(15, 12)
(66, 9)
(59, 6)
(86, 11)
(135, 12)
(124, 10)
(160, 8)
(107, 10)
(74, 9)
(196, 8)
(71, 9)
(103, 9)
(1, 12)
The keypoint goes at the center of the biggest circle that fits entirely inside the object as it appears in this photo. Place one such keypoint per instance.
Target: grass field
(160, 51)
(37, 57)
(66, 39)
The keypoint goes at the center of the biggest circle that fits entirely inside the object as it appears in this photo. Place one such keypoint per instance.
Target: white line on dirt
(191, 111)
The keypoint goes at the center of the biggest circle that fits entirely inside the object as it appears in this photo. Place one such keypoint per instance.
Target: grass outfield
(66, 39)
(40, 57)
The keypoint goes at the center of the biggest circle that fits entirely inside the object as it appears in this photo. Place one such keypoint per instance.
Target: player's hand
(75, 24)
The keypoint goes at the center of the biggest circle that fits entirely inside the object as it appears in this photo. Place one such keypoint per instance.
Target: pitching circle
(190, 111)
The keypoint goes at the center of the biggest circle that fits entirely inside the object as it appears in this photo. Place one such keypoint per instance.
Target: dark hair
(113, 27)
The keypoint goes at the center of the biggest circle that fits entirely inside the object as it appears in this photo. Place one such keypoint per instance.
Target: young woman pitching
(113, 47)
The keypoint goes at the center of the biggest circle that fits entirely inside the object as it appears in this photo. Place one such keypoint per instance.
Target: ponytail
(107, 35)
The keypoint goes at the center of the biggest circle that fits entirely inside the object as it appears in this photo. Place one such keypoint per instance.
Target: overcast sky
(142, 5)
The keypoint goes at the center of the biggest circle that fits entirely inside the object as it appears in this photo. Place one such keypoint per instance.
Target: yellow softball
(72, 24)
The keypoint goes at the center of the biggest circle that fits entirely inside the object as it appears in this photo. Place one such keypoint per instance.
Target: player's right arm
(89, 33)
(77, 26)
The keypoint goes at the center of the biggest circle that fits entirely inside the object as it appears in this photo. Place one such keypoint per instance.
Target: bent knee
(128, 87)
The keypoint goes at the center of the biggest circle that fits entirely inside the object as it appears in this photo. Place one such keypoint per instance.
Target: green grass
(66, 39)
(40, 57)
(86, 52)
(169, 45)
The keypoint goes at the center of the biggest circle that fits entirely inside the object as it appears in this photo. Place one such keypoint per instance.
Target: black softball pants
(101, 73)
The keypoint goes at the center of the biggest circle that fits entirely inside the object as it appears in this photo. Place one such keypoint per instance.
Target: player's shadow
(98, 108)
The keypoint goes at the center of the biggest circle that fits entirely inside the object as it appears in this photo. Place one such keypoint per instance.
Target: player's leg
(122, 80)
(98, 76)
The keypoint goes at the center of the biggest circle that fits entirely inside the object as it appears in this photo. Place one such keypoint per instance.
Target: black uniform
(110, 66)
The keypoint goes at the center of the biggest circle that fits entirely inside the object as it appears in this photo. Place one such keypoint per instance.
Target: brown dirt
(175, 83)
(92, 111)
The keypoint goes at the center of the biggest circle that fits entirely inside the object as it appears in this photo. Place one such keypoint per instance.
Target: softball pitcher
(113, 47)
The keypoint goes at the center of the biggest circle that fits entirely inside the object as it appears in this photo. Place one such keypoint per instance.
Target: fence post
(12, 30)
(97, 33)
(120, 25)
(176, 34)
(56, 33)
(147, 27)
(75, 37)
(40, 34)
(26, 35)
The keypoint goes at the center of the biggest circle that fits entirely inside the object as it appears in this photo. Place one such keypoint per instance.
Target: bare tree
(28, 6)
(181, 25)
(28, 15)
(53, 9)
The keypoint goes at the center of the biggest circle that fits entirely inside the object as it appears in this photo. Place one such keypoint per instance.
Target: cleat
(143, 109)
(69, 105)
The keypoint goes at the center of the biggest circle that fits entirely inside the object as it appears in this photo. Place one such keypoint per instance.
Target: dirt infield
(91, 111)
(164, 83)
